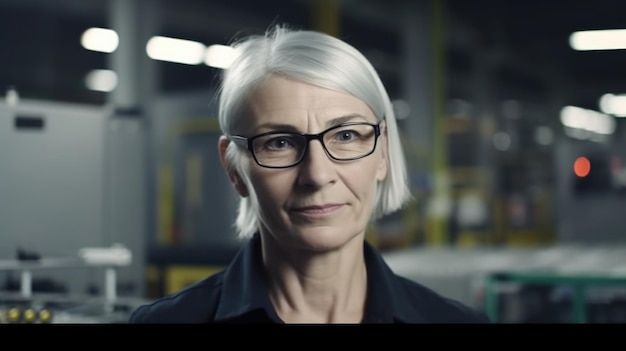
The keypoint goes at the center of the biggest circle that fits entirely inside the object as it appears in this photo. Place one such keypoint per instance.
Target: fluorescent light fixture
(220, 56)
(613, 104)
(587, 120)
(609, 39)
(100, 39)
(101, 80)
(175, 50)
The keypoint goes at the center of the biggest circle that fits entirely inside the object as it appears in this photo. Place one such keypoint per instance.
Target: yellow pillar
(438, 231)
(325, 16)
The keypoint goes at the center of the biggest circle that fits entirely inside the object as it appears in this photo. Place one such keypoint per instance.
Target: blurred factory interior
(111, 192)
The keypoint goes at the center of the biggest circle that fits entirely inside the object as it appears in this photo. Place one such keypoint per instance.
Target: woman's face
(319, 204)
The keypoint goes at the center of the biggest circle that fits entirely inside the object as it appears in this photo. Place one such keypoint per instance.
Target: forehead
(284, 100)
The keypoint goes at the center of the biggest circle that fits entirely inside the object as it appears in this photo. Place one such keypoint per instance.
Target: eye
(346, 135)
(278, 143)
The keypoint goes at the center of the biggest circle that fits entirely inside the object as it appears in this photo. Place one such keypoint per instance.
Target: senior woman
(310, 144)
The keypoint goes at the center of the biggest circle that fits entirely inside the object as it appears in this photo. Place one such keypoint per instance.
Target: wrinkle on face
(281, 104)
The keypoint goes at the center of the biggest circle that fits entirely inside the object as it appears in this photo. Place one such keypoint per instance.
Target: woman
(311, 145)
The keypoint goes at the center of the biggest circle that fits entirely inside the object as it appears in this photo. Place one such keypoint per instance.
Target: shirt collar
(388, 298)
(244, 288)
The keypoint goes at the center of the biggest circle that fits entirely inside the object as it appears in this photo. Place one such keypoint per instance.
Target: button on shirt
(239, 294)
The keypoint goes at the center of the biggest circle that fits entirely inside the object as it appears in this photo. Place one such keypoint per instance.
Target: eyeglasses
(345, 142)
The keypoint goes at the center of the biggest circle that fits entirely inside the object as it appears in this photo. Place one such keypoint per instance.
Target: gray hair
(318, 59)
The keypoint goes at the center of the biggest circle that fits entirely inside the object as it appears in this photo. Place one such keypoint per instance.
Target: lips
(317, 209)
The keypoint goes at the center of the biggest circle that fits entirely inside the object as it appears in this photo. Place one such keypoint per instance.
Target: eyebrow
(330, 123)
(343, 119)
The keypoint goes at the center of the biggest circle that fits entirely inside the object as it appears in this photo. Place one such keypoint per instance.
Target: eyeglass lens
(342, 143)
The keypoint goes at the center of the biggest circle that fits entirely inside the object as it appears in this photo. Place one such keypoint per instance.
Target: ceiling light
(610, 39)
(175, 50)
(101, 80)
(587, 120)
(220, 56)
(613, 104)
(100, 39)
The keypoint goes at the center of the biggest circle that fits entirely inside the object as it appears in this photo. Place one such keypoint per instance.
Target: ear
(233, 175)
(382, 169)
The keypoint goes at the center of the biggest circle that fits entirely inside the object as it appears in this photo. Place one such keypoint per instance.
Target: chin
(323, 239)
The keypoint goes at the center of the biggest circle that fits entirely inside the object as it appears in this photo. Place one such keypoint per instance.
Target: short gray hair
(318, 59)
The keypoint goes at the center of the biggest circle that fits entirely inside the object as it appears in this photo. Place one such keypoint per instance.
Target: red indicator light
(582, 167)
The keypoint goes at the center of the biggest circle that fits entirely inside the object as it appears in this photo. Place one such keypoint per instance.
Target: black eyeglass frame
(248, 142)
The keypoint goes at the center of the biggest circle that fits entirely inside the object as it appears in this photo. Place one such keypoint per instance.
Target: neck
(316, 287)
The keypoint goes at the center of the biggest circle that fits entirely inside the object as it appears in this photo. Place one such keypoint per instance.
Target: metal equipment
(26, 306)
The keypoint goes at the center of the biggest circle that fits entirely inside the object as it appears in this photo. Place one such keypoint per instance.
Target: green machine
(578, 284)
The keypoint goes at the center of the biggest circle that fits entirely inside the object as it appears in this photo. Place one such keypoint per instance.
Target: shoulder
(194, 304)
(436, 308)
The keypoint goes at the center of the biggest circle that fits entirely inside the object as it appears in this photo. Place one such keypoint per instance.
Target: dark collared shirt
(239, 295)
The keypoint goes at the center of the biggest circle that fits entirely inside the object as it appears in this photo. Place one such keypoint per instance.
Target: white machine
(71, 186)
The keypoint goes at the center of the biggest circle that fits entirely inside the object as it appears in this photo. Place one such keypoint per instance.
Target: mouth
(320, 210)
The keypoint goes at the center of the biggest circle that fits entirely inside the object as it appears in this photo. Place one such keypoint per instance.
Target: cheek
(361, 180)
(272, 188)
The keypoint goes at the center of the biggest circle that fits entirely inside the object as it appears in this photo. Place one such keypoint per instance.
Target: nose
(316, 169)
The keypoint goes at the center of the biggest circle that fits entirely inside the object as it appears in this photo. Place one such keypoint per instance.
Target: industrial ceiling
(42, 57)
